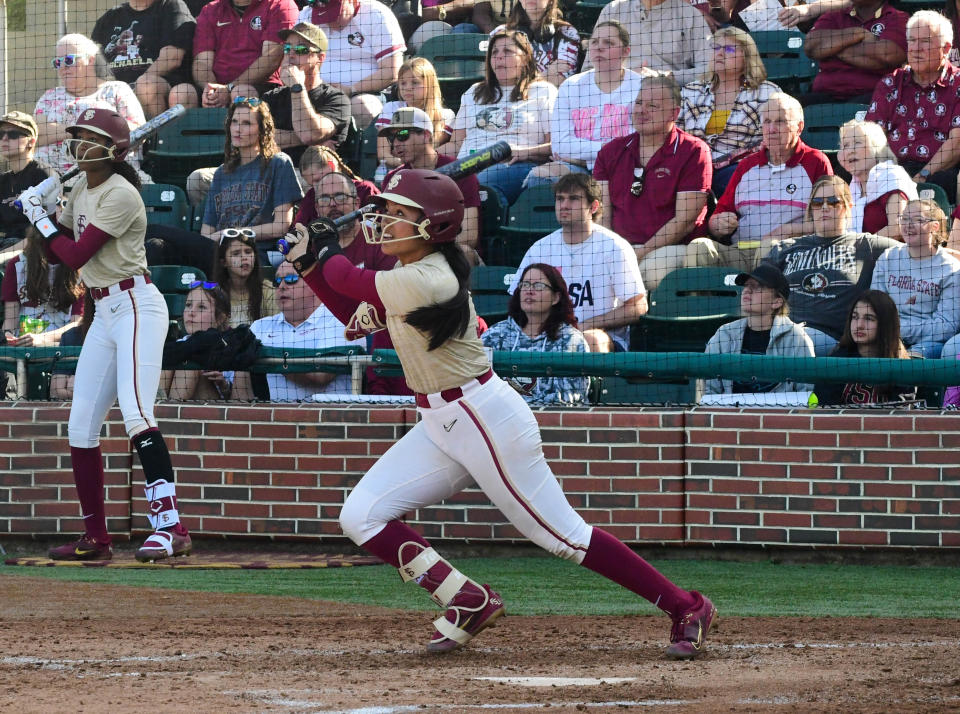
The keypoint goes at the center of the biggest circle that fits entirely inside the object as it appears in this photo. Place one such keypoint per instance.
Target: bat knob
(18, 205)
(283, 246)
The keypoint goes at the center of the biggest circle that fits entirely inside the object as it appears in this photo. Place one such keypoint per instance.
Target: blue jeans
(465, 28)
(927, 350)
(506, 179)
(823, 343)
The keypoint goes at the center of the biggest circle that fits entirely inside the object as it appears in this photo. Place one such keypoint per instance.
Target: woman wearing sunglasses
(541, 319)
(85, 82)
(830, 267)
(474, 427)
(100, 234)
(237, 270)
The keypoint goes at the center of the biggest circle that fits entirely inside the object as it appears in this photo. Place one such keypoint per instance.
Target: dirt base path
(96, 648)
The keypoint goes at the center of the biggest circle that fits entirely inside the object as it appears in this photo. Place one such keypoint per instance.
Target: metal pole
(3, 57)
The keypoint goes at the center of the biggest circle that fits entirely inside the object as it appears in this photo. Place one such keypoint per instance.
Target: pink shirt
(682, 164)
(238, 41)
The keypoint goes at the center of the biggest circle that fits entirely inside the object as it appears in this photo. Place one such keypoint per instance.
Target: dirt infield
(96, 648)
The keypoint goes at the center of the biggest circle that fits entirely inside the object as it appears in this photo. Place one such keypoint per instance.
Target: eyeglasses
(15, 135)
(917, 222)
(403, 134)
(537, 286)
(831, 201)
(727, 49)
(317, 2)
(66, 60)
(288, 279)
(298, 49)
(249, 101)
(203, 284)
(328, 199)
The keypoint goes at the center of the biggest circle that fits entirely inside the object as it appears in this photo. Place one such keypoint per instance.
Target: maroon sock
(88, 476)
(615, 561)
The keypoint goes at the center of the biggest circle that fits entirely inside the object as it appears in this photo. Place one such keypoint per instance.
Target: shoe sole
(696, 653)
(451, 645)
(152, 557)
(76, 559)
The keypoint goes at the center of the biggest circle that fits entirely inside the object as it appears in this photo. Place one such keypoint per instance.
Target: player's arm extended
(76, 253)
(342, 286)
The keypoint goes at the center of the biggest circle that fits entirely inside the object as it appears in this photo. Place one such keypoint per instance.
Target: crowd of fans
(664, 141)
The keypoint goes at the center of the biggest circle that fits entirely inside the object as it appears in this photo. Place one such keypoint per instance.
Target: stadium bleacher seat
(786, 63)
(488, 287)
(585, 13)
(686, 309)
(175, 279)
(936, 193)
(458, 60)
(822, 122)
(365, 162)
(166, 205)
(531, 217)
(195, 141)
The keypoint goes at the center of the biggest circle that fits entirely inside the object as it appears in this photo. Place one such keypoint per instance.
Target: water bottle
(380, 174)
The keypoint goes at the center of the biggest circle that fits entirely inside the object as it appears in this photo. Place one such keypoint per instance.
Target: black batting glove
(324, 240)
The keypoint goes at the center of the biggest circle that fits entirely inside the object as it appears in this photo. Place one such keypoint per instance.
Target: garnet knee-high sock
(88, 476)
(615, 561)
(399, 541)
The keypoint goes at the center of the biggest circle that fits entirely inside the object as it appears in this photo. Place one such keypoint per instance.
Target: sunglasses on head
(241, 233)
(829, 200)
(206, 285)
(249, 101)
(288, 279)
(66, 61)
(403, 134)
(12, 134)
(298, 49)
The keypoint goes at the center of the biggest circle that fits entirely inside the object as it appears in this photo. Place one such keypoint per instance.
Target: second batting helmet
(438, 196)
(105, 122)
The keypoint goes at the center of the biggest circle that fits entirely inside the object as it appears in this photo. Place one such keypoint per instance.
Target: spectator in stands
(410, 135)
(207, 308)
(765, 329)
(592, 107)
(830, 267)
(952, 12)
(880, 187)
(600, 267)
(556, 43)
(366, 50)
(668, 36)
(256, 187)
(18, 140)
(85, 82)
(463, 16)
(855, 49)
(510, 104)
(541, 319)
(655, 182)
(237, 271)
(149, 45)
(724, 108)
(317, 162)
(41, 300)
(305, 110)
(918, 105)
(923, 279)
(236, 52)
(302, 323)
(417, 86)
(766, 199)
(872, 329)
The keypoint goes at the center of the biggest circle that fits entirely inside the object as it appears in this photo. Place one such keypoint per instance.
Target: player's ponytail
(451, 318)
(125, 170)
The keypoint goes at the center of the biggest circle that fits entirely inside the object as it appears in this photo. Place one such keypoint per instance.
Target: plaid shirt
(742, 131)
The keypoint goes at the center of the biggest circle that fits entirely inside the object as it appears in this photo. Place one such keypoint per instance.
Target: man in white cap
(18, 139)
(410, 133)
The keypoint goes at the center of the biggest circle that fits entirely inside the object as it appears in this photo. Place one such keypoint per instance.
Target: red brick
(891, 423)
(359, 465)
(915, 441)
(707, 436)
(736, 518)
(589, 419)
(711, 501)
(836, 422)
(709, 534)
(293, 510)
(658, 533)
(887, 490)
(915, 473)
(232, 509)
(354, 448)
(256, 478)
(641, 420)
(800, 456)
(586, 484)
(787, 422)
(293, 446)
(763, 470)
(737, 422)
(787, 520)
(760, 438)
(887, 457)
(861, 537)
(699, 418)
(260, 493)
(273, 463)
(613, 468)
(939, 456)
(581, 452)
(865, 473)
(28, 462)
(813, 471)
(720, 485)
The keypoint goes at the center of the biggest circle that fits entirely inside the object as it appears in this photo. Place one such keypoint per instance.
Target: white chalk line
(556, 681)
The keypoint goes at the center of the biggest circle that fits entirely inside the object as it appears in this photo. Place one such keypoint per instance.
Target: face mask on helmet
(80, 148)
(377, 228)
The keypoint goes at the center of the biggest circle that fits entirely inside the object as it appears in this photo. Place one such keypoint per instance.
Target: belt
(452, 395)
(100, 293)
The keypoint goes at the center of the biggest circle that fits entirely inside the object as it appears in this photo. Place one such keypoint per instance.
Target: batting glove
(32, 204)
(324, 240)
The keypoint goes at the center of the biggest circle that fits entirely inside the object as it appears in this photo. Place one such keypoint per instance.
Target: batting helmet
(105, 122)
(438, 196)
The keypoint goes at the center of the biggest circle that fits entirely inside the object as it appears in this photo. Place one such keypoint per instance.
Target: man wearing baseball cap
(365, 52)
(765, 329)
(306, 111)
(410, 133)
(18, 139)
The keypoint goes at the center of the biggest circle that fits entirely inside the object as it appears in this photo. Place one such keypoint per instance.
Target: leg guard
(162, 502)
(431, 572)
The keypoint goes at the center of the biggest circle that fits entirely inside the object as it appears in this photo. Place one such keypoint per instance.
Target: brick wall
(845, 479)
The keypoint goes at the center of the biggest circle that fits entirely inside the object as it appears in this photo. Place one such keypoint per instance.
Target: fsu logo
(88, 115)
(394, 180)
(815, 283)
(791, 188)
(256, 23)
(877, 28)
(355, 39)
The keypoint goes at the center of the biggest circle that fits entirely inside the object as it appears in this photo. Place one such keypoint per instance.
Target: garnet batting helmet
(105, 122)
(438, 196)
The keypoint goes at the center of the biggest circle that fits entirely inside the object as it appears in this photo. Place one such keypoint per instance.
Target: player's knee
(354, 522)
(82, 437)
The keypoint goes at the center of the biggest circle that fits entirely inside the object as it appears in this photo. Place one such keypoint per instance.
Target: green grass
(541, 586)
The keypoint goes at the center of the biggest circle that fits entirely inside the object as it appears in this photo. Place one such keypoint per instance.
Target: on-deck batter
(101, 235)
(474, 427)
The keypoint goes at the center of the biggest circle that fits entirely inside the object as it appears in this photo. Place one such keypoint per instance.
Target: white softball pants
(490, 437)
(121, 357)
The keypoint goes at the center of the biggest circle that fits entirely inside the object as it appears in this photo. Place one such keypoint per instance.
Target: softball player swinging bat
(101, 234)
(474, 428)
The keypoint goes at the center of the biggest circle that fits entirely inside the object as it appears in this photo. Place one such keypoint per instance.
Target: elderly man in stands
(366, 51)
(654, 182)
(918, 105)
(666, 36)
(855, 48)
(236, 51)
(766, 199)
(149, 45)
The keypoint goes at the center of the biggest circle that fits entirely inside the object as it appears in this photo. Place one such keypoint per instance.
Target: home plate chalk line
(557, 681)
